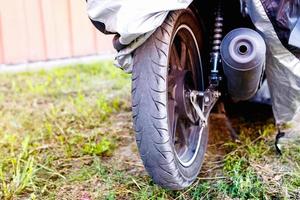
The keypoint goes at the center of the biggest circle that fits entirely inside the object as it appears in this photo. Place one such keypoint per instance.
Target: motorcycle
(206, 53)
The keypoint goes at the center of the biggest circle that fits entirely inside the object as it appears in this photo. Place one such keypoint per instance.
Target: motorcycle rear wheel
(170, 139)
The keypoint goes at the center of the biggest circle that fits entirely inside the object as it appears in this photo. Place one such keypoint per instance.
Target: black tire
(150, 105)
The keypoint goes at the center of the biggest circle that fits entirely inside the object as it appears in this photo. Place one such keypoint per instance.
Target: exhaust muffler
(243, 53)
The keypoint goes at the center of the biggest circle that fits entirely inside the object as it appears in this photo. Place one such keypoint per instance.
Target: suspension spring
(217, 39)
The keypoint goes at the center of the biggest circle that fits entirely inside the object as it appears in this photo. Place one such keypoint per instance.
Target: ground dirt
(67, 134)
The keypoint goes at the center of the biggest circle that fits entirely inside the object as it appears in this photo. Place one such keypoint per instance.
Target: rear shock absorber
(217, 39)
(211, 95)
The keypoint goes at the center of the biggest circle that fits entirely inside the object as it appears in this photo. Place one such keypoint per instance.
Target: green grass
(49, 119)
(67, 134)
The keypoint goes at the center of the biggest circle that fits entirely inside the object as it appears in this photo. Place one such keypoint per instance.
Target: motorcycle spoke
(173, 117)
(183, 76)
(171, 87)
(175, 57)
(183, 55)
(184, 132)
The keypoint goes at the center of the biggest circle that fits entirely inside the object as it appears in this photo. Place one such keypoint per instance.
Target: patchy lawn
(67, 134)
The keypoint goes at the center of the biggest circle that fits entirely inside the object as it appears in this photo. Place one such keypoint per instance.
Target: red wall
(35, 30)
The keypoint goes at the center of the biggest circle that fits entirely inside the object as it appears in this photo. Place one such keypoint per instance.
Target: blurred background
(41, 30)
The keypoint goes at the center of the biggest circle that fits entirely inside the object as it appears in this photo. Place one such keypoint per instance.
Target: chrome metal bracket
(203, 102)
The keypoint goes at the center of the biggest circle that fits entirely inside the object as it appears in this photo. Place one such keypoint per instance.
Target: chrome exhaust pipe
(243, 53)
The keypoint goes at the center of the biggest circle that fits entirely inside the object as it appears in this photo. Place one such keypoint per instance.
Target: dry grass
(67, 134)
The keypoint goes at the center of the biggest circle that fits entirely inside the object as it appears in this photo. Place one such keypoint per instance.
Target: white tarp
(133, 20)
(136, 20)
(282, 67)
(283, 74)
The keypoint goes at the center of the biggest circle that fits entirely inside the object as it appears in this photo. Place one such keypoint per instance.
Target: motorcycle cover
(278, 21)
(133, 20)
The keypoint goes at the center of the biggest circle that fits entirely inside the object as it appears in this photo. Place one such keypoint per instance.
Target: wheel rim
(183, 76)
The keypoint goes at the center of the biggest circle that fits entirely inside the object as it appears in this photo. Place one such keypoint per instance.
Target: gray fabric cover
(282, 67)
(284, 15)
(133, 20)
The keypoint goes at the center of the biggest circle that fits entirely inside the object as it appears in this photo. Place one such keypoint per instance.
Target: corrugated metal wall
(34, 30)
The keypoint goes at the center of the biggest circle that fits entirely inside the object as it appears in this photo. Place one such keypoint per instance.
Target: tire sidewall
(149, 126)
